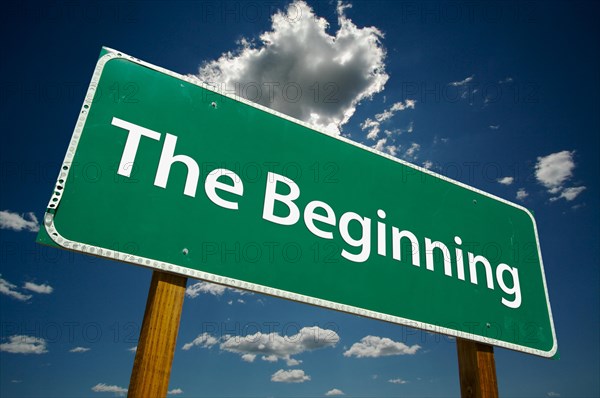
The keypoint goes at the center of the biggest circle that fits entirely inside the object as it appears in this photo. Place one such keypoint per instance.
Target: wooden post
(476, 369)
(156, 346)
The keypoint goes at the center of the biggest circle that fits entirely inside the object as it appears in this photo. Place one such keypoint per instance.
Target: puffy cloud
(372, 126)
(554, 170)
(569, 193)
(175, 391)
(41, 289)
(397, 381)
(101, 387)
(374, 347)
(9, 290)
(506, 180)
(334, 393)
(428, 164)
(273, 347)
(17, 222)
(79, 349)
(301, 70)
(270, 347)
(21, 344)
(204, 340)
(522, 194)
(411, 152)
(290, 376)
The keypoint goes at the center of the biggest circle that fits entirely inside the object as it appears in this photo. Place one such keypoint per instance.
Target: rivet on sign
(213, 104)
(185, 251)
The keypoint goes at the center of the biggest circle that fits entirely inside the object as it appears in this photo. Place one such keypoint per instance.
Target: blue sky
(502, 96)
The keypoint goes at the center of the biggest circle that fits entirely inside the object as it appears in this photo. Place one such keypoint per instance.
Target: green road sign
(164, 172)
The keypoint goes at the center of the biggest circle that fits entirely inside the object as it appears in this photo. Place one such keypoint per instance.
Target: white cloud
(506, 180)
(428, 164)
(494, 126)
(380, 146)
(101, 387)
(508, 79)
(411, 152)
(569, 193)
(397, 381)
(462, 82)
(204, 340)
(196, 289)
(522, 194)
(271, 347)
(290, 376)
(132, 349)
(299, 69)
(41, 289)
(391, 111)
(375, 347)
(17, 222)
(175, 391)
(9, 290)
(372, 126)
(553, 394)
(334, 393)
(21, 344)
(199, 288)
(554, 170)
(79, 349)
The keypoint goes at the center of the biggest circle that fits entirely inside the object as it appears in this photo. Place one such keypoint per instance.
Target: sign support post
(476, 369)
(156, 346)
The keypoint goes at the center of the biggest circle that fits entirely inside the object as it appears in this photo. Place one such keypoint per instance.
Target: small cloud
(397, 381)
(554, 170)
(375, 347)
(507, 79)
(132, 349)
(17, 222)
(462, 82)
(428, 164)
(494, 126)
(411, 152)
(101, 387)
(213, 289)
(204, 340)
(569, 194)
(290, 376)
(16, 381)
(334, 393)
(10, 290)
(522, 194)
(175, 391)
(553, 394)
(506, 180)
(21, 344)
(372, 126)
(41, 289)
(79, 349)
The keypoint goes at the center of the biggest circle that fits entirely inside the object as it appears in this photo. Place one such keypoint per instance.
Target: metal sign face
(169, 174)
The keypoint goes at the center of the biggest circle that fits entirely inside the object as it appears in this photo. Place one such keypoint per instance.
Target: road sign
(163, 171)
